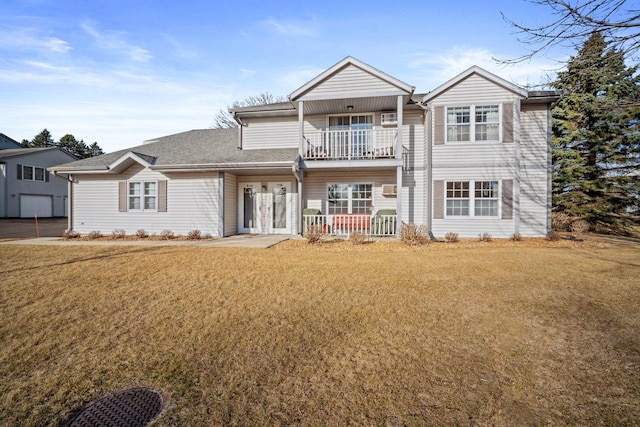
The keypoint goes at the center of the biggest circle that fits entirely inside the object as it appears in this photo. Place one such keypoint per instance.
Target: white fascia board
(129, 156)
(222, 166)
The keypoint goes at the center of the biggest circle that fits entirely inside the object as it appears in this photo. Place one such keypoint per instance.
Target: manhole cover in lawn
(128, 408)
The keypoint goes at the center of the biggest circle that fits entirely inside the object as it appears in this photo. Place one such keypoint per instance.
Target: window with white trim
(143, 195)
(481, 202)
(486, 198)
(33, 173)
(349, 198)
(473, 123)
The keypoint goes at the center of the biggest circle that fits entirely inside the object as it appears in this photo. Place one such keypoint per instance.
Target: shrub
(411, 234)
(357, 237)
(70, 234)
(166, 235)
(194, 235)
(580, 226)
(142, 234)
(314, 234)
(118, 233)
(451, 237)
(560, 221)
(515, 237)
(95, 234)
(485, 237)
(553, 236)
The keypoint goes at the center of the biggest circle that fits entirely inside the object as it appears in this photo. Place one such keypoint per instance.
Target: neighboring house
(354, 149)
(26, 189)
(8, 143)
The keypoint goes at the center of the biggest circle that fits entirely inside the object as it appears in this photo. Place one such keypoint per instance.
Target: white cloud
(436, 68)
(308, 28)
(115, 41)
(31, 39)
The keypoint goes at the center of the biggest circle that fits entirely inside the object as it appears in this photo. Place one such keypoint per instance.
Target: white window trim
(350, 200)
(373, 118)
(472, 124)
(142, 195)
(33, 175)
(472, 199)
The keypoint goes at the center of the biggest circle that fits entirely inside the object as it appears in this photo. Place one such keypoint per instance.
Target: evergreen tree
(69, 143)
(596, 137)
(43, 139)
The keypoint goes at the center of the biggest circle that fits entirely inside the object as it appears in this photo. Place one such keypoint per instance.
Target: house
(8, 143)
(26, 189)
(354, 149)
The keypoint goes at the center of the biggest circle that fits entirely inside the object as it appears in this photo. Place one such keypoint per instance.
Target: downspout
(69, 179)
(429, 174)
(240, 126)
(299, 174)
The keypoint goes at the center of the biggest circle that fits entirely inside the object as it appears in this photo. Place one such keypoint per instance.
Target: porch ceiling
(360, 105)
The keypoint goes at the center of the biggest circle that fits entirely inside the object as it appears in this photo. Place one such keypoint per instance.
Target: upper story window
(473, 123)
(142, 195)
(33, 173)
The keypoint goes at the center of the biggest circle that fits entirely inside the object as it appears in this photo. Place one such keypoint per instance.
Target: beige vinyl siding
(270, 132)
(351, 81)
(470, 227)
(413, 175)
(315, 187)
(191, 204)
(534, 170)
(230, 204)
(475, 90)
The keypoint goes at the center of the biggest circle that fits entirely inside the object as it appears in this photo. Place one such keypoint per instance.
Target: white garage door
(31, 206)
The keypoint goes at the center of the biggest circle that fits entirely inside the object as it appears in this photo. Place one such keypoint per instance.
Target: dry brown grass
(504, 333)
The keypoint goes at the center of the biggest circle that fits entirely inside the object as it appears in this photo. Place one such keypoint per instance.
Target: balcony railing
(345, 224)
(351, 144)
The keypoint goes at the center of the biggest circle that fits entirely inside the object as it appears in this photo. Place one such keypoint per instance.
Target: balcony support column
(399, 171)
(301, 128)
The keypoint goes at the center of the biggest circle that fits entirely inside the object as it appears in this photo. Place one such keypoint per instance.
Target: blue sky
(121, 72)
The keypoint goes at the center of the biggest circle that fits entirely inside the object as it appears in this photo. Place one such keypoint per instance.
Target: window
(486, 198)
(473, 123)
(349, 198)
(458, 124)
(142, 195)
(482, 202)
(33, 173)
(458, 198)
(487, 123)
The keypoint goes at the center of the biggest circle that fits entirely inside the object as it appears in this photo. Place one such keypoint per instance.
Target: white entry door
(264, 208)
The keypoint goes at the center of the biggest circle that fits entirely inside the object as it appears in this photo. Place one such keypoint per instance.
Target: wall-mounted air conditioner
(389, 119)
(389, 190)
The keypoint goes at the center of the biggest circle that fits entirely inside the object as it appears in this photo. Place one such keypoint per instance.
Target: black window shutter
(19, 171)
(46, 175)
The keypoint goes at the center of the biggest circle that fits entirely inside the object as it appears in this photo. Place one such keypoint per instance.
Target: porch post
(398, 149)
(301, 127)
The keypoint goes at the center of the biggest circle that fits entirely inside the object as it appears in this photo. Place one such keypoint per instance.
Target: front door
(264, 208)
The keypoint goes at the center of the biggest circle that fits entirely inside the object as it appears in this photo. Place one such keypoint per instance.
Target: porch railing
(350, 144)
(345, 224)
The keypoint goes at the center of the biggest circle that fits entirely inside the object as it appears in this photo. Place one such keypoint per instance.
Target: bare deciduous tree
(224, 120)
(575, 20)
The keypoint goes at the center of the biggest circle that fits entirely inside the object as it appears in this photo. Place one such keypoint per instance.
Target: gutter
(69, 179)
(429, 164)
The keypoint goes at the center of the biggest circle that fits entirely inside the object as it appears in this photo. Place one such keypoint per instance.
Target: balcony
(362, 144)
(345, 224)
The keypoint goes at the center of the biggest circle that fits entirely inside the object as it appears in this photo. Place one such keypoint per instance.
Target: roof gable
(128, 159)
(350, 78)
(468, 73)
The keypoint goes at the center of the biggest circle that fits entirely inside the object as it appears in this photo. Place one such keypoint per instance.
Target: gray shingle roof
(204, 147)
(14, 152)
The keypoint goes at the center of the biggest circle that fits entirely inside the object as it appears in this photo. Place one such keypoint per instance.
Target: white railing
(345, 224)
(350, 144)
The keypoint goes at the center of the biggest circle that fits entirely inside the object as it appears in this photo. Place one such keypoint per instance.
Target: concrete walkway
(238, 241)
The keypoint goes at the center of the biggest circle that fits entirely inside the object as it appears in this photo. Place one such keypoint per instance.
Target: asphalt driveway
(26, 227)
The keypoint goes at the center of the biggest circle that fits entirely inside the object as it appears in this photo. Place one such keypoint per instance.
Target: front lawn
(501, 334)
